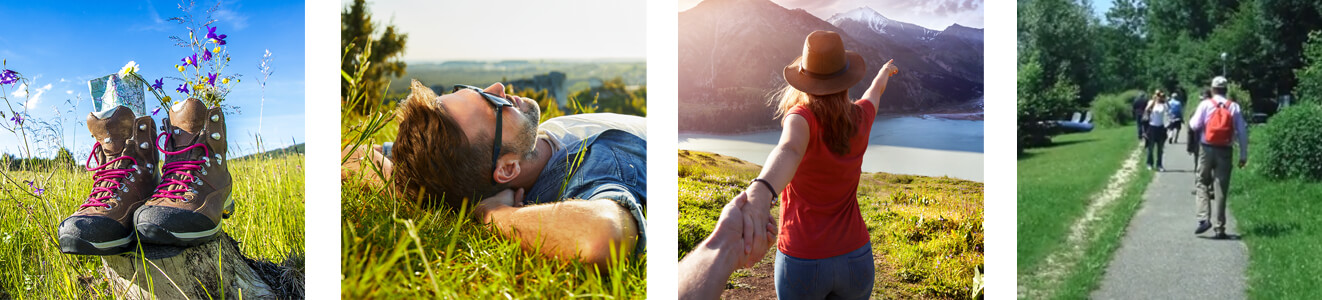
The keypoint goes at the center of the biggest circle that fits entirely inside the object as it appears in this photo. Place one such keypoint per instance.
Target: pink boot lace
(184, 168)
(104, 174)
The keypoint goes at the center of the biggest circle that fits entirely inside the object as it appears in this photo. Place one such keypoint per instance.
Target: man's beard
(526, 138)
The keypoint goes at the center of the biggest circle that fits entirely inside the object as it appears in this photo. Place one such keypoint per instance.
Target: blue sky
(516, 29)
(58, 47)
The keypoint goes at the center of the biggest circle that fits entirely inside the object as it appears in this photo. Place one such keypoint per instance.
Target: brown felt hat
(825, 67)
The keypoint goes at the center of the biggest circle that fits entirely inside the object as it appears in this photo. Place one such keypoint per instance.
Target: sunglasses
(496, 103)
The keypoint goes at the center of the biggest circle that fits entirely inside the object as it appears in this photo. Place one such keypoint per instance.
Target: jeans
(847, 276)
(1155, 144)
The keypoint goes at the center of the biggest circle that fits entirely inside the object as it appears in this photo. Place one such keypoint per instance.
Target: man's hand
(756, 213)
(359, 159)
(506, 198)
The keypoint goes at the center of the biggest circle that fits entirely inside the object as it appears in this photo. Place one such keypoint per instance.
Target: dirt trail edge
(1040, 283)
(1161, 258)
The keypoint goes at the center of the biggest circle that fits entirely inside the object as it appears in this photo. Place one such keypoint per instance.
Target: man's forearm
(572, 229)
(704, 271)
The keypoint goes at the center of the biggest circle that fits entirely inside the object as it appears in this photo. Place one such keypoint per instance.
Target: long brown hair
(835, 114)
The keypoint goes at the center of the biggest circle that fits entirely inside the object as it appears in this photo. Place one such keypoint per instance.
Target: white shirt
(565, 130)
(1157, 116)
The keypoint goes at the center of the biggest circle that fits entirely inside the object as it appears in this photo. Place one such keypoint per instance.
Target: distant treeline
(63, 159)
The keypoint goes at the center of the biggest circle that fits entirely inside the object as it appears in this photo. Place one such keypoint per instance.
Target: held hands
(358, 159)
(757, 215)
(730, 229)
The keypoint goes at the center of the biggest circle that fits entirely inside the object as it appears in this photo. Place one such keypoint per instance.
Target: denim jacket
(611, 166)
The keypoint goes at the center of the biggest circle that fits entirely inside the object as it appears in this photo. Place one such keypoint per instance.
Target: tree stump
(186, 272)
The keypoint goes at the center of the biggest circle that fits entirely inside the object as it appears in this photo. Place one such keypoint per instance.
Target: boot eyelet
(215, 136)
(215, 118)
(219, 159)
(204, 173)
(109, 207)
(142, 127)
(143, 145)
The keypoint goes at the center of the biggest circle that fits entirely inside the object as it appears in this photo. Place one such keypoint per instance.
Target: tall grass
(926, 231)
(1278, 221)
(268, 223)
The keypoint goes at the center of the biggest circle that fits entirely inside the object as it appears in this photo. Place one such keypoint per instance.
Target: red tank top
(819, 216)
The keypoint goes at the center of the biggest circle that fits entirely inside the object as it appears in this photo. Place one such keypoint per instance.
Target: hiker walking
(1176, 111)
(1155, 114)
(1219, 121)
(1140, 102)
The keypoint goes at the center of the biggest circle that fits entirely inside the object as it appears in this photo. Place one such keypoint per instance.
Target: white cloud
(36, 96)
(70, 92)
(231, 15)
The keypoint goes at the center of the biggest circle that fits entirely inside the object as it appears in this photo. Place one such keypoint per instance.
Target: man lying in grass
(538, 183)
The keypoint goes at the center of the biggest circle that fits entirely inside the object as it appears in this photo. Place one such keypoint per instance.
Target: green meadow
(927, 233)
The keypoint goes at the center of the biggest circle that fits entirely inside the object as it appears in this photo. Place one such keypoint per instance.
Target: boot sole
(155, 234)
(74, 245)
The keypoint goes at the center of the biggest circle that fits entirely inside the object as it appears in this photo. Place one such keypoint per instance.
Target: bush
(1111, 110)
(1039, 101)
(1292, 144)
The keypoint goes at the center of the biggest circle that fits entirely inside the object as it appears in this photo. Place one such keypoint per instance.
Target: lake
(917, 145)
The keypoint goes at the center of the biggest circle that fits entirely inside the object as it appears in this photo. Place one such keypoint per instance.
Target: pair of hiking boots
(180, 204)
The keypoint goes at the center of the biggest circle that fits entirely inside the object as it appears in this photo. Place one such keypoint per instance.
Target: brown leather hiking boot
(194, 194)
(125, 177)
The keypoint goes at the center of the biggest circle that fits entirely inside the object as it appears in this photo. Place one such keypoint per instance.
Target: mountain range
(732, 53)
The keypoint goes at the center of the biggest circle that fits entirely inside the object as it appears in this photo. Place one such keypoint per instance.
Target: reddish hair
(836, 115)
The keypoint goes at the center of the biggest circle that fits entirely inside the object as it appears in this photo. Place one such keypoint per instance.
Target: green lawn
(1279, 222)
(926, 231)
(268, 223)
(1055, 186)
(393, 249)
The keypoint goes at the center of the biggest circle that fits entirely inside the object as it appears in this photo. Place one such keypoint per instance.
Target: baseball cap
(1219, 82)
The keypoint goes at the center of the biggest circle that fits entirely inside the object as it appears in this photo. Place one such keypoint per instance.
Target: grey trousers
(1214, 166)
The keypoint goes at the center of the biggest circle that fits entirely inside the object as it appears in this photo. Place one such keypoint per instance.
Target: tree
(1052, 31)
(1309, 88)
(356, 30)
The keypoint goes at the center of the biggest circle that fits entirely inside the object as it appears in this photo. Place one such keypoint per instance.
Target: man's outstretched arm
(570, 229)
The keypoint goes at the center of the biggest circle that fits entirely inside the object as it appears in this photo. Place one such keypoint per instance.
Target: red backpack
(1220, 127)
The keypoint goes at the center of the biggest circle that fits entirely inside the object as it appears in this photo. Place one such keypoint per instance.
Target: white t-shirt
(1157, 117)
(565, 130)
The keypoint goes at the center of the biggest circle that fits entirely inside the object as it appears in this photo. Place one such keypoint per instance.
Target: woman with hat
(824, 248)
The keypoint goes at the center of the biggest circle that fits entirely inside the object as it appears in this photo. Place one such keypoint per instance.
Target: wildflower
(129, 68)
(8, 77)
(190, 60)
(206, 55)
(38, 191)
(18, 120)
(183, 88)
(211, 79)
(219, 39)
(160, 83)
(216, 49)
(181, 68)
(35, 190)
(225, 80)
(158, 109)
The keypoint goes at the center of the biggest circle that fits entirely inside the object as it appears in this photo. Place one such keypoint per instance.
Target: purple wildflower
(219, 39)
(160, 83)
(18, 120)
(8, 77)
(154, 111)
(38, 191)
(211, 79)
(206, 55)
(190, 60)
(183, 88)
